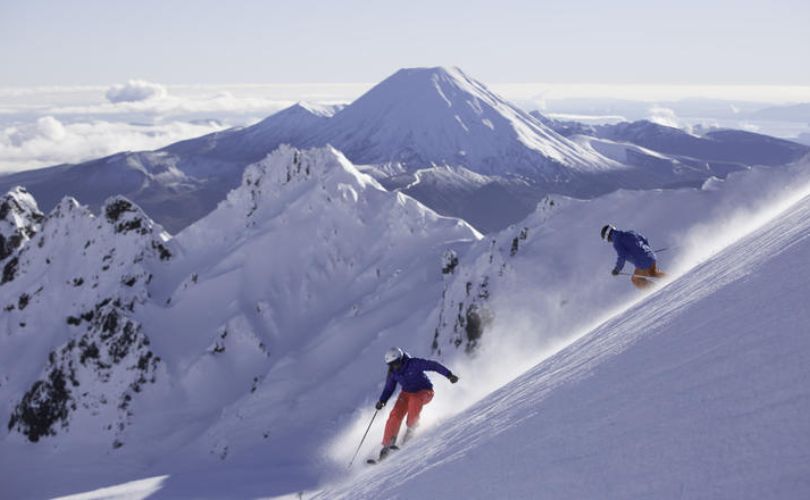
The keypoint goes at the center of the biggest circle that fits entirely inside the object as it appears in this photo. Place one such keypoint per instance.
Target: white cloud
(135, 91)
(49, 141)
(44, 126)
(664, 116)
(47, 127)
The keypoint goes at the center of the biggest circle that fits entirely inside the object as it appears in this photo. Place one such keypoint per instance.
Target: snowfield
(700, 390)
(242, 358)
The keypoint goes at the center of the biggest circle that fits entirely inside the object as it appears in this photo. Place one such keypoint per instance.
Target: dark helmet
(606, 230)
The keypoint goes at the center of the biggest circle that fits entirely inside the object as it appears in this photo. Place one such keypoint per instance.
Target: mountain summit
(420, 117)
(435, 134)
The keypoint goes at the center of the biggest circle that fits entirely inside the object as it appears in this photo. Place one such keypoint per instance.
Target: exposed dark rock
(44, 405)
(449, 261)
(89, 352)
(114, 210)
(10, 270)
(163, 252)
(524, 233)
(112, 341)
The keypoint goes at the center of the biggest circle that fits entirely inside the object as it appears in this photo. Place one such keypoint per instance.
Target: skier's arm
(390, 385)
(620, 253)
(619, 264)
(427, 365)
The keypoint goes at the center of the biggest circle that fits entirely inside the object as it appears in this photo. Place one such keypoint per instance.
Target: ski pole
(364, 438)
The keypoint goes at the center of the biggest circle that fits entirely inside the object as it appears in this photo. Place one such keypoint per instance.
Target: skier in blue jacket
(417, 391)
(630, 245)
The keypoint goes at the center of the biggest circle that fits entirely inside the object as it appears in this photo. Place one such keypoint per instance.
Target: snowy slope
(730, 146)
(540, 285)
(73, 358)
(213, 349)
(536, 282)
(419, 117)
(721, 150)
(19, 220)
(698, 391)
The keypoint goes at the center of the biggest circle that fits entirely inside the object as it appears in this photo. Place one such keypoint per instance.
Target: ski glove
(453, 378)
(379, 405)
(614, 272)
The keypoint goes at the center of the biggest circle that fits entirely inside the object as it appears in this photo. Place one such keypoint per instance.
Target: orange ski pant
(408, 403)
(639, 274)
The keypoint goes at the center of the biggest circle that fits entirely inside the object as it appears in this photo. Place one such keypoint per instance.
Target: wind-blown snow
(697, 391)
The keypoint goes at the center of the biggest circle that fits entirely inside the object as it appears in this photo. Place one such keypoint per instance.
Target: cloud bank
(45, 126)
(48, 141)
(135, 91)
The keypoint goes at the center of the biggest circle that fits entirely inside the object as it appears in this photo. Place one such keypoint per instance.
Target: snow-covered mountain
(695, 391)
(219, 344)
(70, 341)
(730, 146)
(433, 133)
(242, 357)
(19, 220)
(722, 150)
(262, 402)
(420, 117)
(180, 183)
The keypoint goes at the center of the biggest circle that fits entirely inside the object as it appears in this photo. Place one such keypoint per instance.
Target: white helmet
(393, 354)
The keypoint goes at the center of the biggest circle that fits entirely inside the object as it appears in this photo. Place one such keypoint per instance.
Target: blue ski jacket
(411, 376)
(630, 245)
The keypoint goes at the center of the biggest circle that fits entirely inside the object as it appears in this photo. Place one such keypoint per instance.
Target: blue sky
(55, 42)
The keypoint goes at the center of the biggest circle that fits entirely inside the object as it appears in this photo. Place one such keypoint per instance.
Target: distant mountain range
(434, 133)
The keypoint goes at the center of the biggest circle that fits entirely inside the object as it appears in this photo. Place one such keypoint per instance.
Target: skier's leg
(395, 419)
(415, 404)
(655, 272)
(638, 278)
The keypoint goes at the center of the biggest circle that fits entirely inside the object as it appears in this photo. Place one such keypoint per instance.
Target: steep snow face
(308, 264)
(696, 391)
(274, 373)
(72, 358)
(19, 220)
(531, 285)
(231, 349)
(419, 117)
